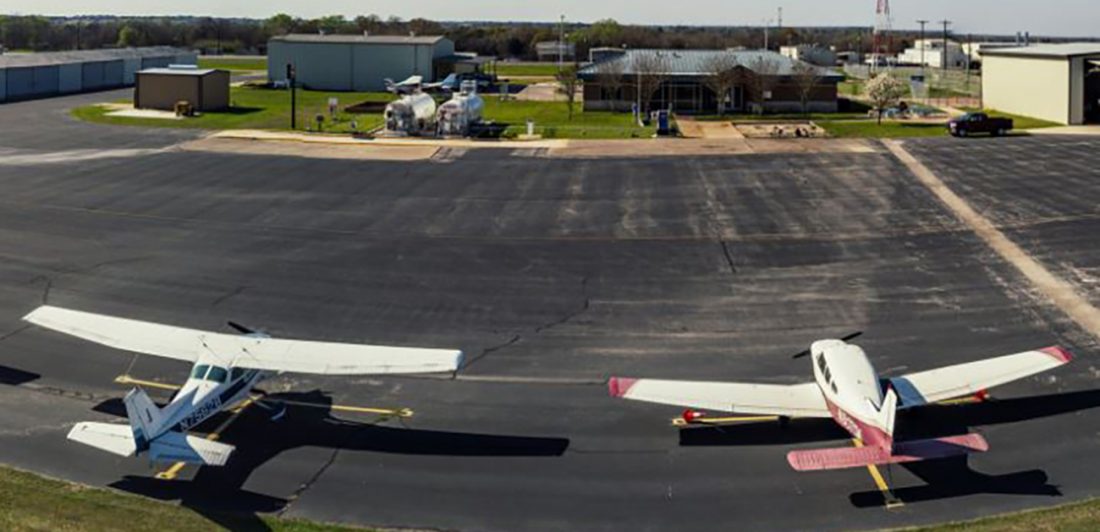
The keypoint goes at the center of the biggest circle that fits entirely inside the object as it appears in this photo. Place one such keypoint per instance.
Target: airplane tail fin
(146, 419)
(888, 412)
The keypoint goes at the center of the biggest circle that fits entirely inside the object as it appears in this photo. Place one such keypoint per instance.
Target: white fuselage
(851, 389)
(210, 388)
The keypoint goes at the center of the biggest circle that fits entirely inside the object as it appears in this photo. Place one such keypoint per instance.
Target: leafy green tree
(128, 36)
(280, 24)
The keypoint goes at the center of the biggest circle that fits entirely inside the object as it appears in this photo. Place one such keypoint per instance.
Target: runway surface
(552, 275)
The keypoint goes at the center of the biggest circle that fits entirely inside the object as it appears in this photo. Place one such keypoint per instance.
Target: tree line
(505, 40)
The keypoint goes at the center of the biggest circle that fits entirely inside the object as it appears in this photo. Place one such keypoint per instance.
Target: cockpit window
(217, 374)
(199, 371)
(833, 384)
(236, 374)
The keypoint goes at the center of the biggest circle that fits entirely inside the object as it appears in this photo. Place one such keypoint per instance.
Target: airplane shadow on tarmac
(944, 479)
(217, 492)
(14, 377)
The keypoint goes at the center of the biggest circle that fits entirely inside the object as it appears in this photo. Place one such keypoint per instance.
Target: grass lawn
(233, 63)
(258, 108)
(1079, 517)
(850, 87)
(31, 502)
(552, 120)
(888, 129)
(504, 69)
(1018, 121)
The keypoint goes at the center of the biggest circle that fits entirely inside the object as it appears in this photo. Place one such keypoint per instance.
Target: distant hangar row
(225, 368)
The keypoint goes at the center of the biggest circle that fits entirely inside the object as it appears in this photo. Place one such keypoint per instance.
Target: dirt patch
(780, 130)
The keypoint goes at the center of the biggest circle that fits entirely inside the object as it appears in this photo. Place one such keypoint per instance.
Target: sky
(1045, 17)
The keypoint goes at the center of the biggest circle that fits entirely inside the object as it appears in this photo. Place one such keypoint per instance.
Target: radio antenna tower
(883, 41)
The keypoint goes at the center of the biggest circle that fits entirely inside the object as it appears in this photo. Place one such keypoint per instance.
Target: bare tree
(651, 70)
(763, 74)
(609, 74)
(722, 75)
(806, 78)
(568, 83)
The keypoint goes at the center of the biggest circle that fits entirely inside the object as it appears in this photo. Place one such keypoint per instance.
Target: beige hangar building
(1055, 82)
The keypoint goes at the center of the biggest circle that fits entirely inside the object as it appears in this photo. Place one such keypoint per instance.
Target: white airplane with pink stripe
(847, 389)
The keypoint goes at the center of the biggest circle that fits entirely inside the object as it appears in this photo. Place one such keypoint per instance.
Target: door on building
(1092, 92)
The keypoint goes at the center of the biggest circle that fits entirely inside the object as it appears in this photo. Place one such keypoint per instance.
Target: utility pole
(291, 75)
(943, 55)
(923, 46)
(561, 43)
(766, 24)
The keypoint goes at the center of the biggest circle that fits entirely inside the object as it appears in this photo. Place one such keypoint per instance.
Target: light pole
(923, 46)
(943, 54)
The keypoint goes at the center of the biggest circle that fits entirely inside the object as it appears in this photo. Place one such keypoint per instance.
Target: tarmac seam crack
(729, 257)
(225, 297)
(518, 337)
(309, 483)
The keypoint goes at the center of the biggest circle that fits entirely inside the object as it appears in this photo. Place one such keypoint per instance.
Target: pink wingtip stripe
(618, 386)
(1059, 353)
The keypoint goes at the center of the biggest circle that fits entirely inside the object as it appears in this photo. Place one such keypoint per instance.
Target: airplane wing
(798, 400)
(960, 380)
(329, 358)
(128, 335)
(272, 354)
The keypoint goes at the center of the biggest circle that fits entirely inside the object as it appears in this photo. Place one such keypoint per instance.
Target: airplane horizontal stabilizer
(179, 447)
(910, 451)
(115, 439)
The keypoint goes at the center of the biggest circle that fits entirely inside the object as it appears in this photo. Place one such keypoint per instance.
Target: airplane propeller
(843, 339)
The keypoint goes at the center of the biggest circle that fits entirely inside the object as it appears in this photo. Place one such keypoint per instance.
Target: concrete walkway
(1066, 130)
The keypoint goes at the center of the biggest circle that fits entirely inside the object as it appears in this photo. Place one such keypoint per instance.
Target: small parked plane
(410, 85)
(225, 369)
(847, 389)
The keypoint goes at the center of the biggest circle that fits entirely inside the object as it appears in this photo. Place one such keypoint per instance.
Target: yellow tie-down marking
(887, 494)
(681, 422)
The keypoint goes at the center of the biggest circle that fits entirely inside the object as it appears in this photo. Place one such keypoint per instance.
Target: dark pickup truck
(971, 123)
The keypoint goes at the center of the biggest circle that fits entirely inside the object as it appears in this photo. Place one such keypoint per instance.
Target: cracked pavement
(561, 272)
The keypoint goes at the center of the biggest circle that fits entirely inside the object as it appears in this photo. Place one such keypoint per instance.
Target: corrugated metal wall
(89, 70)
(353, 67)
(71, 78)
(32, 82)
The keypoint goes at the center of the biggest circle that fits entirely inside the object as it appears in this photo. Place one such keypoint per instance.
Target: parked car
(453, 82)
(971, 123)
